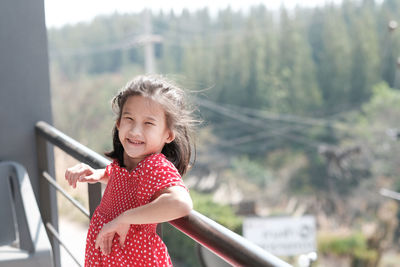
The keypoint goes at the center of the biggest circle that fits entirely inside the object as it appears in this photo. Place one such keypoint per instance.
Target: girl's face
(142, 129)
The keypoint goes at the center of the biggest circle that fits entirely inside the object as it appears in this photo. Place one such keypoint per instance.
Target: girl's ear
(170, 137)
(117, 123)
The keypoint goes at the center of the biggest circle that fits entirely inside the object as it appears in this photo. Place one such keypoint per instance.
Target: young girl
(151, 150)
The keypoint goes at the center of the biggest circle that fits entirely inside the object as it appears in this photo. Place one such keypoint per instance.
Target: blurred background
(300, 103)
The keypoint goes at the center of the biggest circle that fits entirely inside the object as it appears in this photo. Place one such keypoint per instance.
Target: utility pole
(386, 65)
(393, 26)
(396, 83)
(149, 40)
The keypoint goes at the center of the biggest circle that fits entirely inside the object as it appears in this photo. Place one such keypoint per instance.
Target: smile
(135, 142)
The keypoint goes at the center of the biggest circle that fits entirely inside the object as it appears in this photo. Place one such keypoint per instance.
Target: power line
(229, 113)
(122, 45)
(289, 118)
(236, 112)
(255, 123)
(259, 136)
(130, 41)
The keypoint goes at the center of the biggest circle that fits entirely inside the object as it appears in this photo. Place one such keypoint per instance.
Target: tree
(332, 54)
(296, 68)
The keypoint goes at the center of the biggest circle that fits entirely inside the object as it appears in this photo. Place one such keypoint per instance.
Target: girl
(151, 150)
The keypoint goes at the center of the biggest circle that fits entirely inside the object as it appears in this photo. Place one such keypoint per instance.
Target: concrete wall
(24, 81)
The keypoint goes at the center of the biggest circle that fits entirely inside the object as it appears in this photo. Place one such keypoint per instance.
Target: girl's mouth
(135, 142)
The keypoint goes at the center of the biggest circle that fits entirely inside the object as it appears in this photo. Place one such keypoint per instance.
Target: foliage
(251, 171)
(380, 116)
(181, 248)
(222, 214)
(353, 245)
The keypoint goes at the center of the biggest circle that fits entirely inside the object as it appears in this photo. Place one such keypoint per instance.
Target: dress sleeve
(162, 176)
(110, 168)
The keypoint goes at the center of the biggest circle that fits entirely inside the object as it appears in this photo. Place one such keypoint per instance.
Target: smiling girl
(151, 150)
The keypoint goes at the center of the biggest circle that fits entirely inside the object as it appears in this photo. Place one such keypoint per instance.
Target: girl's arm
(84, 173)
(171, 203)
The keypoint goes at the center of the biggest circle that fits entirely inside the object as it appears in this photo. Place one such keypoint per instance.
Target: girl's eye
(149, 123)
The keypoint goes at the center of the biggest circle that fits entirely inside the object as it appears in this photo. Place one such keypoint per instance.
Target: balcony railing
(228, 245)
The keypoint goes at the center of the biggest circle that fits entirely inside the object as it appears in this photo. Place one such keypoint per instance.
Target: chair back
(8, 229)
(17, 198)
(24, 241)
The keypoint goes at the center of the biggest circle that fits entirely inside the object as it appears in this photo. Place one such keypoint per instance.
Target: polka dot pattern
(127, 190)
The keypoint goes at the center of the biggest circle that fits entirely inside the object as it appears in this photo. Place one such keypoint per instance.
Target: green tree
(296, 70)
(365, 53)
(332, 54)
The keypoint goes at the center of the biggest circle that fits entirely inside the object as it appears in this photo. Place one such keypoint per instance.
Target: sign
(282, 236)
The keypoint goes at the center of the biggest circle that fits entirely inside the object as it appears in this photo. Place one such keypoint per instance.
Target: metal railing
(390, 194)
(228, 245)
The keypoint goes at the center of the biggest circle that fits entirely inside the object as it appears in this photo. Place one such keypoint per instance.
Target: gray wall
(24, 81)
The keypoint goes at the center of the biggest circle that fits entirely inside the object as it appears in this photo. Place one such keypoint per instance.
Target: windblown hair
(178, 114)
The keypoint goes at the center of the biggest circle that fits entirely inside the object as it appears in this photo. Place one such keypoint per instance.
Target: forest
(300, 110)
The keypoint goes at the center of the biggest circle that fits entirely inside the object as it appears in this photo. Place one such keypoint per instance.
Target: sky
(59, 13)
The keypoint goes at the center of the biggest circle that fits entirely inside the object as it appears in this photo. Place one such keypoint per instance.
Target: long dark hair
(179, 118)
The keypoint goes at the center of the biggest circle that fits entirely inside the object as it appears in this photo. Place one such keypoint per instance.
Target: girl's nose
(135, 130)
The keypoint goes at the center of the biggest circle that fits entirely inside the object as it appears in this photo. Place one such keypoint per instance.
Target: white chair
(23, 238)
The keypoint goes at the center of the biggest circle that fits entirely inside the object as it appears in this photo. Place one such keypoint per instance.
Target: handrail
(71, 146)
(228, 245)
(390, 194)
(231, 247)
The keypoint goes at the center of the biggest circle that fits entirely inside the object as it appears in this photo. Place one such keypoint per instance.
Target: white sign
(283, 236)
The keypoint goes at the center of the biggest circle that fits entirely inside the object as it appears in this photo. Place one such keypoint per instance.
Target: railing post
(47, 195)
(94, 191)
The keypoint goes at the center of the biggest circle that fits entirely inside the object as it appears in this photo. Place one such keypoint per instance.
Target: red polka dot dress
(127, 190)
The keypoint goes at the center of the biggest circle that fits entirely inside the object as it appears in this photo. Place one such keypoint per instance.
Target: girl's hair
(178, 117)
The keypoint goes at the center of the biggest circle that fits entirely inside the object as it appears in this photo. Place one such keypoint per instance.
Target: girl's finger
(122, 236)
(67, 176)
(103, 249)
(74, 183)
(76, 178)
(122, 240)
(109, 244)
(70, 180)
(97, 243)
(104, 245)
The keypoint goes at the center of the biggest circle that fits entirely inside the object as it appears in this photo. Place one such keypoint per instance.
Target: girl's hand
(83, 173)
(106, 235)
